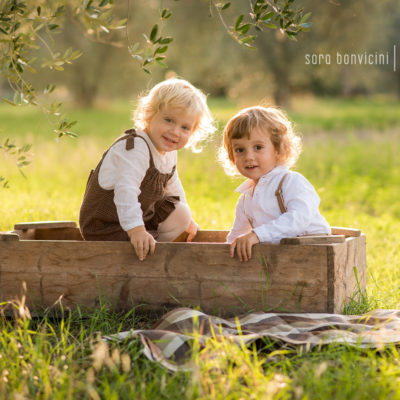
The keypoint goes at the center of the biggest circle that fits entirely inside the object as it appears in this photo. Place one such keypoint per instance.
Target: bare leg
(177, 222)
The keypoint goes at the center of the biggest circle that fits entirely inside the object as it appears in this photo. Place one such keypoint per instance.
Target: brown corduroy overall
(98, 217)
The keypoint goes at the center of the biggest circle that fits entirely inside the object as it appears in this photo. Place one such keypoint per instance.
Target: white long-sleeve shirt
(259, 211)
(124, 170)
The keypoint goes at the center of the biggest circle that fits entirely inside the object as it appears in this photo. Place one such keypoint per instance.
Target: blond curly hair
(176, 93)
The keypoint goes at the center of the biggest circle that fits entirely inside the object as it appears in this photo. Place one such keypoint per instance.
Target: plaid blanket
(171, 340)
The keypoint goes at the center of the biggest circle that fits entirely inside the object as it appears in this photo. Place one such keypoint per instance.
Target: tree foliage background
(103, 65)
(87, 51)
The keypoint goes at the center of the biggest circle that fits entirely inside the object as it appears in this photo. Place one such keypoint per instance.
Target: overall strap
(279, 194)
(130, 143)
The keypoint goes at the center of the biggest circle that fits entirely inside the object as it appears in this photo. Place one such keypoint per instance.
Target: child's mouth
(251, 167)
(170, 140)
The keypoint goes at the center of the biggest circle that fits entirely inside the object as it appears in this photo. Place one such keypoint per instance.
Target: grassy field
(350, 155)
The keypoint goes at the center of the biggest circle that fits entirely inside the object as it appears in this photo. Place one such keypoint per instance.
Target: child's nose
(175, 129)
(249, 155)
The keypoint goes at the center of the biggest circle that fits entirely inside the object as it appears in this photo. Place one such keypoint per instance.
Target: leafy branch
(155, 46)
(25, 28)
(262, 15)
(21, 155)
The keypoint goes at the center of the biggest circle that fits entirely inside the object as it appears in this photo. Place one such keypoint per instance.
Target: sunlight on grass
(355, 175)
(350, 155)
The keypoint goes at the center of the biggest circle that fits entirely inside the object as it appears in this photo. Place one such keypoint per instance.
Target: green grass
(345, 115)
(351, 156)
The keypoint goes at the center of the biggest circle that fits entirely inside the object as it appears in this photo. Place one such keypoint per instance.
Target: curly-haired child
(275, 202)
(135, 194)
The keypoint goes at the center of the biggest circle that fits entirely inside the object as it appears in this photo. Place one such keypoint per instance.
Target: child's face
(256, 156)
(170, 129)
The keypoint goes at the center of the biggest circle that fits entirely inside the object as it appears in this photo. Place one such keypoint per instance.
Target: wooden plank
(173, 292)
(314, 239)
(178, 273)
(206, 236)
(8, 237)
(45, 225)
(211, 236)
(302, 278)
(355, 258)
(26, 234)
(57, 234)
(12, 288)
(336, 262)
(51, 233)
(277, 290)
(182, 237)
(348, 232)
(342, 281)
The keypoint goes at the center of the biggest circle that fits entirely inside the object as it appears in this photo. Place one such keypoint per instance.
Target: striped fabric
(171, 339)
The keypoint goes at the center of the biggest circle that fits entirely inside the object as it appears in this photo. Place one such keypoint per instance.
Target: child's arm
(302, 202)
(241, 224)
(123, 170)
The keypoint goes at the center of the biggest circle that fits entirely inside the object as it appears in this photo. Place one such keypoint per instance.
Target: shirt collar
(248, 185)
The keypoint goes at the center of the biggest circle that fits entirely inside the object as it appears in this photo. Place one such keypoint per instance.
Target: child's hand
(243, 245)
(192, 230)
(142, 241)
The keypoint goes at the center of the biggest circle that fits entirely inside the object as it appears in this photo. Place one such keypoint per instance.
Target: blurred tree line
(29, 49)
(206, 55)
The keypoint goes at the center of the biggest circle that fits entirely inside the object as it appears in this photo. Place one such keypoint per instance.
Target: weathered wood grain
(45, 225)
(304, 278)
(344, 262)
(8, 237)
(71, 233)
(58, 234)
(314, 239)
(211, 236)
(52, 227)
(348, 232)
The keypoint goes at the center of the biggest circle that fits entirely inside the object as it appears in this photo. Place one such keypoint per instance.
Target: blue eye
(258, 147)
(168, 119)
(238, 150)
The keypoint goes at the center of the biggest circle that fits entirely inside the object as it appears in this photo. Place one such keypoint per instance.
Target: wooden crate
(306, 274)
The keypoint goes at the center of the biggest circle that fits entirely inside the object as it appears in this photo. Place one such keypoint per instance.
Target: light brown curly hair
(270, 120)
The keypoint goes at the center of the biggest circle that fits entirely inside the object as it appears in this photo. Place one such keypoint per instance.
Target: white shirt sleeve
(302, 202)
(123, 171)
(241, 224)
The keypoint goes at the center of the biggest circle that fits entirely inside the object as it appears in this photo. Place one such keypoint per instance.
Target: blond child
(135, 194)
(275, 202)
